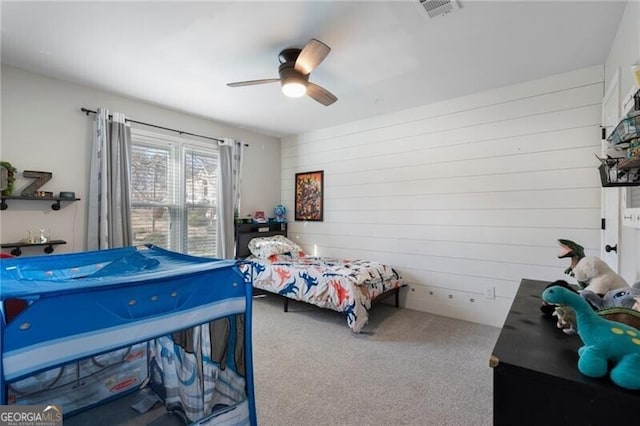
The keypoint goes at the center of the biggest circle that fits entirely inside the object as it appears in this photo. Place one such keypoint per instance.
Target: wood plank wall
(464, 197)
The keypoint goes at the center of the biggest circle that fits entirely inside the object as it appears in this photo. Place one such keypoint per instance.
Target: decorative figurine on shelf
(33, 239)
(29, 238)
(280, 212)
(8, 182)
(39, 179)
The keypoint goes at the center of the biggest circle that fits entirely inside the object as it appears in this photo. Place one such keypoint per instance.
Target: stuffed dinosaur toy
(565, 317)
(548, 308)
(592, 274)
(575, 252)
(604, 341)
(572, 250)
(626, 297)
(598, 276)
(622, 305)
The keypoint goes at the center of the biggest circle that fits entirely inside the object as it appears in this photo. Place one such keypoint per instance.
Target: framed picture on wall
(309, 202)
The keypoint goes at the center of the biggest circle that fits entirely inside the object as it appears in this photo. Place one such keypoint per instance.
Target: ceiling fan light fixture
(294, 89)
(295, 67)
(294, 84)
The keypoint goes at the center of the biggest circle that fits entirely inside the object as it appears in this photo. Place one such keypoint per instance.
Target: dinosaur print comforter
(346, 286)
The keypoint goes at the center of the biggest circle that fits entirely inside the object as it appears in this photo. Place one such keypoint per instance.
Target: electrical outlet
(490, 292)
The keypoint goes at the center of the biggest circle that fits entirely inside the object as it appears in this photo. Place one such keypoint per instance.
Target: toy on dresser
(622, 304)
(602, 312)
(565, 318)
(573, 251)
(604, 341)
(598, 276)
(591, 273)
(627, 297)
(595, 279)
(280, 211)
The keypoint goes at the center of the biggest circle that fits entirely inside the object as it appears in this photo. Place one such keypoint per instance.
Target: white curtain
(231, 157)
(109, 221)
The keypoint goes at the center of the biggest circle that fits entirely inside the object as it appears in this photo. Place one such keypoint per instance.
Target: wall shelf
(618, 172)
(54, 206)
(623, 169)
(17, 246)
(627, 129)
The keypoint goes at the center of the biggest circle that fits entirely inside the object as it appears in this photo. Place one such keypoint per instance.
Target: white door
(610, 196)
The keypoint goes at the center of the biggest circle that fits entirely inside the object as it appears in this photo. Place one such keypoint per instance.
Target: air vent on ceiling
(439, 7)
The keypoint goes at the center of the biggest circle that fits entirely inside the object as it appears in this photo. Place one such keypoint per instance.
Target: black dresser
(535, 374)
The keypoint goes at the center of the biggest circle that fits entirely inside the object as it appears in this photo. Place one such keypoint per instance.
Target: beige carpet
(405, 368)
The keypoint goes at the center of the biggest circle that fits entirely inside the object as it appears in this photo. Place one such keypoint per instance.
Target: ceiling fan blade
(311, 55)
(253, 82)
(320, 94)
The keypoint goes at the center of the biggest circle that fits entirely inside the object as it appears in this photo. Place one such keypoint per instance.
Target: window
(173, 193)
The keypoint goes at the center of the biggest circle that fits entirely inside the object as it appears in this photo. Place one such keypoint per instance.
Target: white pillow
(268, 246)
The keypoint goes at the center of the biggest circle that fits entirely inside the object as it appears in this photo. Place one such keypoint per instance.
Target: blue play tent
(103, 324)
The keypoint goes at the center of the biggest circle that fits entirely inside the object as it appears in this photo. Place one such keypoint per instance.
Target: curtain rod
(182, 132)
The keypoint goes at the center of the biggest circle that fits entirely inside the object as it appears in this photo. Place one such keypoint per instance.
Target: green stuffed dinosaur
(576, 252)
(604, 341)
(564, 315)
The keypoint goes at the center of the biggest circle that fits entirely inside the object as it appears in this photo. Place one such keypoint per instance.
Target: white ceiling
(386, 55)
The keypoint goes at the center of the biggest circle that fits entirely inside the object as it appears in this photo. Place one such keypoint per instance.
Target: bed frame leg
(286, 304)
(397, 297)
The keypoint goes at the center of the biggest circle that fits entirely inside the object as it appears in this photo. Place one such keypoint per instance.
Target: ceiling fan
(295, 67)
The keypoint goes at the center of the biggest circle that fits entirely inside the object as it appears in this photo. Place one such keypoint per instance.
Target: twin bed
(279, 266)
